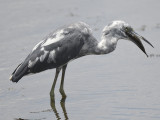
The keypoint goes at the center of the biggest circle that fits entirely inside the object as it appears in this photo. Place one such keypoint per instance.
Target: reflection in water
(53, 106)
(62, 103)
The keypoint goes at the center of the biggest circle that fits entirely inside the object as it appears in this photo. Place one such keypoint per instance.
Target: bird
(71, 42)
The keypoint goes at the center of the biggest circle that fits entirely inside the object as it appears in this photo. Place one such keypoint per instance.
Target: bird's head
(122, 30)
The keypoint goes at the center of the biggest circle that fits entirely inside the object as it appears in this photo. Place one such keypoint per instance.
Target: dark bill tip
(146, 55)
(147, 41)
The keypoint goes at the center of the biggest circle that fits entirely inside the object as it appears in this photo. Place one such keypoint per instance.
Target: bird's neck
(106, 45)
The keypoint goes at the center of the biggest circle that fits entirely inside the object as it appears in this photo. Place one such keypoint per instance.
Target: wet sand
(123, 85)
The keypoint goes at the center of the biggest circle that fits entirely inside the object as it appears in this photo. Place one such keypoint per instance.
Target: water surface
(123, 85)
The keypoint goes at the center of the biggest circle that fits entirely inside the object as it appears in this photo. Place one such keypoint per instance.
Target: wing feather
(55, 50)
(55, 54)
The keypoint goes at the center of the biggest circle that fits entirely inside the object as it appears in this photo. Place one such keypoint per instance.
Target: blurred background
(123, 85)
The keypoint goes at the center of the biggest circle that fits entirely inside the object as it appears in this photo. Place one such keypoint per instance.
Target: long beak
(136, 38)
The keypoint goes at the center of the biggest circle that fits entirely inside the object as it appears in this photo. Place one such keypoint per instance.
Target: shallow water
(123, 85)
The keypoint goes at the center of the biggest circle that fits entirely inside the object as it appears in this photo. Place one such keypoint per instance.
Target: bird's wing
(55, 51)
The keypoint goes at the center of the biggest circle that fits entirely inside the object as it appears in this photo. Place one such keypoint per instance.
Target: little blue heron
(72, 42)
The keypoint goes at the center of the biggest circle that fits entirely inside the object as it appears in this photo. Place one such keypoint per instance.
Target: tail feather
(19, 72)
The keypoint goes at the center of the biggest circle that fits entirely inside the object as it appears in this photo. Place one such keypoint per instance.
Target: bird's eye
(126, 28)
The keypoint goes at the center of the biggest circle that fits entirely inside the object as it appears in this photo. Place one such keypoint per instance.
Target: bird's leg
(61, 90)
(53, 86)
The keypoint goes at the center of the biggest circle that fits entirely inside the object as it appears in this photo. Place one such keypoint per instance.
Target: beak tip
(147, 41)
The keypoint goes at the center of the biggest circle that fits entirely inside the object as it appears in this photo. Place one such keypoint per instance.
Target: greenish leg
(61, 90)
(52, 96)
(63, 93)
